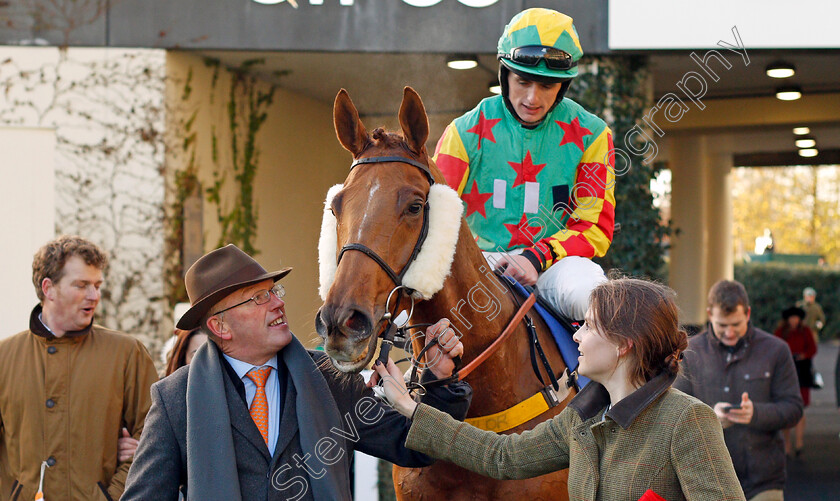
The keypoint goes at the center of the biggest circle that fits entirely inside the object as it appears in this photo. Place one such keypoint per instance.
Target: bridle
(391, 330)
(392, 333)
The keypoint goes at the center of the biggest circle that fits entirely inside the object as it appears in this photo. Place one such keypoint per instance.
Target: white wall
(27, 203)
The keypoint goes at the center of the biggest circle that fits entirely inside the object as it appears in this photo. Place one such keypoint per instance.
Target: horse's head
(379, 231)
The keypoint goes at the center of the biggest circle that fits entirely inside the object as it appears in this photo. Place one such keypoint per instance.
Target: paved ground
(816, 475)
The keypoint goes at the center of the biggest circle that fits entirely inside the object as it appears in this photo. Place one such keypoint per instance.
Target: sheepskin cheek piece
(432, 265)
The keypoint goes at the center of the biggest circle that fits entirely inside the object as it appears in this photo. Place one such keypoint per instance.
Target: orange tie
(259, 406)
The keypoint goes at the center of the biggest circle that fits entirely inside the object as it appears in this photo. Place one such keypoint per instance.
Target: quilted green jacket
(656, 438)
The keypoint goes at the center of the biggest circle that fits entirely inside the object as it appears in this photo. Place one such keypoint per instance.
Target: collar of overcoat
(593, 398)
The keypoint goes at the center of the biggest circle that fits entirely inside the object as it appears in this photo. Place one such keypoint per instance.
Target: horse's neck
(473, 299)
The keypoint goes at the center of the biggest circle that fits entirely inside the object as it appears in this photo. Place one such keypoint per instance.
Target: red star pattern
(475, 200)
(573, 132)
(526, 171)
(521, 233)
(484, 128)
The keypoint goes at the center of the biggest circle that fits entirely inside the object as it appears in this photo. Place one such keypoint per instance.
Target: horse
(394, 212)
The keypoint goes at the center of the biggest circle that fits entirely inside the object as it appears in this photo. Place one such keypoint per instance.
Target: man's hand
(518, 267)
(743, 415)
(126, 446)
(439, 358)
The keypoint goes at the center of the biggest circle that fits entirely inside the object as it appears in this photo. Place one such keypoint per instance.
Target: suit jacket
(160, 465)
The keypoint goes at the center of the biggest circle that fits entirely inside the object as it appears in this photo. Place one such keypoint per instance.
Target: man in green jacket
(69, 389)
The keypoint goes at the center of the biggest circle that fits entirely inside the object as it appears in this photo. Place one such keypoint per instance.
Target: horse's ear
(413, 120)
(348, 127)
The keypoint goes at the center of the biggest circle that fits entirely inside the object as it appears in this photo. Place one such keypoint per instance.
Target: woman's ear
(624, 350)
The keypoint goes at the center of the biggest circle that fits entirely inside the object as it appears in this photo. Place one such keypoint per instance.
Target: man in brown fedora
(255, 415)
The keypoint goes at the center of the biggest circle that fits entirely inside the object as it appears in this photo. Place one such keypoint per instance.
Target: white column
(689, 250)
(27, 203)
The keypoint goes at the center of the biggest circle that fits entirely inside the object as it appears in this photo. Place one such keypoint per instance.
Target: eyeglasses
(531, 55)
(261, 297)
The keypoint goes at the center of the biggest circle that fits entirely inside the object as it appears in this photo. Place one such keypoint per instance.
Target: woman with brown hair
(186, 344)
(627, 435)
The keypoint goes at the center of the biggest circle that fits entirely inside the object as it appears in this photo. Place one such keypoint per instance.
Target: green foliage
(774, 286)
(615, 89)
(246, 111)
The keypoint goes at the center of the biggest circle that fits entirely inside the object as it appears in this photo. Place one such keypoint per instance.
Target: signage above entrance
(383, 26)
(414, 3)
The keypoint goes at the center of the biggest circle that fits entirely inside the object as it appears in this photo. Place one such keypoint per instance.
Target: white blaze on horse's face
(368, 210)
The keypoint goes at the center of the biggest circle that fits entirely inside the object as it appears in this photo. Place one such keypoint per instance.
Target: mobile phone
(730, 407)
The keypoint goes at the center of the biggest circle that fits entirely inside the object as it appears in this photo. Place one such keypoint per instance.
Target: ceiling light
(494, 87)
(462, 61)
(788, 93)
(801, 131)
(780, 70)
(809, 152)
(806, 142)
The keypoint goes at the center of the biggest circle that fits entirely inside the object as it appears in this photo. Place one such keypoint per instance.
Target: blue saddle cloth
(560, 332)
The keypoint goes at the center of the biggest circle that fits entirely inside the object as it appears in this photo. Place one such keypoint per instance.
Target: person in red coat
(800, 339)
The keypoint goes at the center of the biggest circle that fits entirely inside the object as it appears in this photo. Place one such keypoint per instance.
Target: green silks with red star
(549, 189)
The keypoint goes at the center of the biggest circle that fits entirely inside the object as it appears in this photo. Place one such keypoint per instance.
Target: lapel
(241, 420)
(288, 420)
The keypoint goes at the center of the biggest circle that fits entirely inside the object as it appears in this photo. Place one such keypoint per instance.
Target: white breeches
(567, 284)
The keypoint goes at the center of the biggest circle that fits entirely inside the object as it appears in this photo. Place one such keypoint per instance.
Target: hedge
(775, 286)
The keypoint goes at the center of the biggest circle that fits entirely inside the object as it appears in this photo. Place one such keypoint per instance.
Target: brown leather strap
(463, 373)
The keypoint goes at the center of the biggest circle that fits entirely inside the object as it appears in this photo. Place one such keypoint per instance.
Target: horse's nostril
(357, 322)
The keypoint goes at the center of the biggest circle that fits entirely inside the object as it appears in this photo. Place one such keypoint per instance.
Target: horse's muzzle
(345, 325)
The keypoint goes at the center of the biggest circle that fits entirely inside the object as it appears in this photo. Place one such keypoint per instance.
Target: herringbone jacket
(656, 438)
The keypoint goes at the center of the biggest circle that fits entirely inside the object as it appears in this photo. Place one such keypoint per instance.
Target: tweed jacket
(762, 366)
(64, 400)
(160, 465)
(656, 438)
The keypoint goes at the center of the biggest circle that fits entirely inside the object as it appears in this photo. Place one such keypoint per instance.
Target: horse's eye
(415, 208)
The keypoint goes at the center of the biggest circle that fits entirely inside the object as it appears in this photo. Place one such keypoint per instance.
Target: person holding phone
(748, 377)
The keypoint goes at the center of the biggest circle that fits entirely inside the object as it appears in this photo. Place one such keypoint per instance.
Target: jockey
(534, 170)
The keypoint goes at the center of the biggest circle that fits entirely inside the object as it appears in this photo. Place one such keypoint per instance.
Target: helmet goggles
(531, 55)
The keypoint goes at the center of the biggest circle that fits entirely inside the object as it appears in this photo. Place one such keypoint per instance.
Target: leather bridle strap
(369, 253)
(424, 230)
(405, 160)
(511, 326)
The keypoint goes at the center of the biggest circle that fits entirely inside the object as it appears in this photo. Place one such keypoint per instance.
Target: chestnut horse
(381, 206)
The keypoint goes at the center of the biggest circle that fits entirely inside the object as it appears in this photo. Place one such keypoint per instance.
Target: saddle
(562, 328)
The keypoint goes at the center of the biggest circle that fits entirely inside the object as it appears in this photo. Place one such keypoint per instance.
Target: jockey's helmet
(541, 45)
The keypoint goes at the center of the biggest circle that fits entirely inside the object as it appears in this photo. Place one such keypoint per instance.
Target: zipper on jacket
(104, 491)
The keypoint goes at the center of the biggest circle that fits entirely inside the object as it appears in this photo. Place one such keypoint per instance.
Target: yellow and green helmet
(541, 42)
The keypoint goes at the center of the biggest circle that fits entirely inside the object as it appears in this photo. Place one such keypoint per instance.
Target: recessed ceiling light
(788, 93)
(809, 152)
(806, 142)
(494, 87)
(780, 70)
(801, 131)
(462, 61)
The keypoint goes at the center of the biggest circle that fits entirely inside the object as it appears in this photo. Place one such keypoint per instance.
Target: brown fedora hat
(217, 274)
